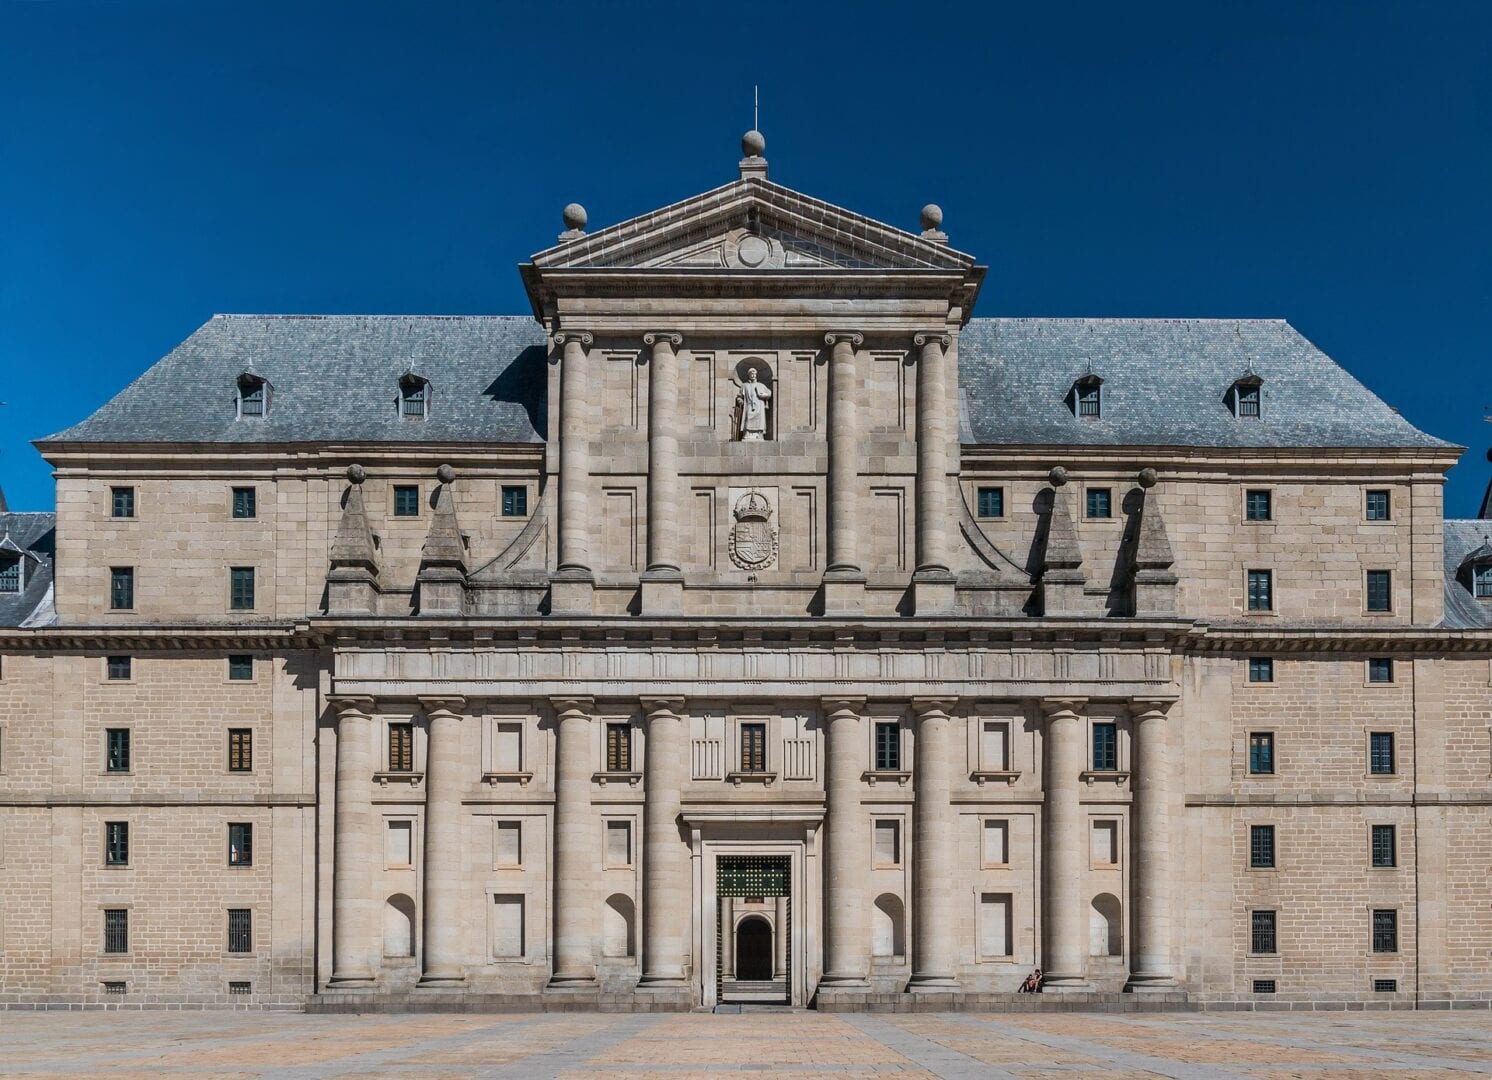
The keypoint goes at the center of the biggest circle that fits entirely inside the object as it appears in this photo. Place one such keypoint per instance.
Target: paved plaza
(798, 1045)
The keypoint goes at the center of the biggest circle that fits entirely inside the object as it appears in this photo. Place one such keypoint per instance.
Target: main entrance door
(753, 928)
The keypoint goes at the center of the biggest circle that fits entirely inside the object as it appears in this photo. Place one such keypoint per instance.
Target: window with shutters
(888, 747)
(240, 930)
(753, 747)
(1262, 933)
(401, 747)
(240, 844)
(116, 930)
(240, 749)
(618, 747)
(117, 750)
(116, 843)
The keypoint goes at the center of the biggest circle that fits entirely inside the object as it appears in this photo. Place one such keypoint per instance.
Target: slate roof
(32, 536)
(1463, 611)
(335, 378)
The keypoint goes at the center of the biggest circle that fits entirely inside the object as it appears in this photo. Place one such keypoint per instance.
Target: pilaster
(572, 586)
(844, 580)
(933, 582)
(663, 581)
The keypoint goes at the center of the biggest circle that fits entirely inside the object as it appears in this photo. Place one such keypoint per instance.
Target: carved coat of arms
(753, 540)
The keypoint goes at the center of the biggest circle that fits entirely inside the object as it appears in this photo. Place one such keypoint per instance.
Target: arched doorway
(753, 950)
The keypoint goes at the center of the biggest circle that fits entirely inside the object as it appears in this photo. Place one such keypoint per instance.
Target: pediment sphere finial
(932, 216)
(575, 216)
(753, 143)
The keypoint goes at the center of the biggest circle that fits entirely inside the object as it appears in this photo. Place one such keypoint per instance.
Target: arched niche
(617, 937)
(888, 930)
(398, 926)
(1105, 936)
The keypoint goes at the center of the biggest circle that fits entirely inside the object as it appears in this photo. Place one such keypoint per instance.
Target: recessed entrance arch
(753, 949)
(750, 966)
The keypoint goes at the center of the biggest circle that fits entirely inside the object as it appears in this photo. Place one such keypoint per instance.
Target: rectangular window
(1262, 933)
(753, 747)
(888, 843)
(10, 573)
(515, 501)
(1481, 581)
(117, 667)
(618, 747)
(240, 749)
(1380, 590)
(1385, 986)
(1103, 847)
(245, 502)
(1384, 847)
(1105, 747)
(509, 843)
(1089, 401)
(1381, 753)
(123, 502)
(241, 668)
(112, 987)
(618, 843)
(414, 400)
(1261, 753)
(1261, 847)
(121, 588)
(240, 930)
(235, 987)
(116, 749)
(116, 843)
(507, 748)
(1261, 669)
(251, 401)
(241, 588)
(1100, 503)
(116, 930)
(994, 924)
(994, 746)
(240, 844)
(1264, 986)
(507, 927)
(1385, 930)
(1380, 669)
(1258, 505)
(1261, 590)
(401, 747)
(991, 502)
(406, 500)
(888, 747)
(996, 843)
(1377, 505)
(398, 844)
(1248, 401)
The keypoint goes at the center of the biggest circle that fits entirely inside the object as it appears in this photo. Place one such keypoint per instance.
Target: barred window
(116, 930)
(888, 747)
(515, 501)
(240, 844)
(1265, 986)
(240, 930)
(240, 749)
(1385, 986)
(1089, 399)
(118, 667)
(245, 502)
(1262, 933)
(401, 747)
(235, 987)
(1105, 747)
(121, 588)
(1261, 847)
(116, 843)
(241, 668)
(1261, 669)
(1248, 401)
(1385, 930)
(122, 502)
(1381, 753)
(1261, 753)
(1258, 505)
(1100, 503)
(10, 573)
(753, 747)
(1384, 847)
(1261, 590)
(1377, 506)
(1380, 590)
(991, 502)
(406, 500)
(1380, 669)
(116, 749)
(241, 588)
(618, 748)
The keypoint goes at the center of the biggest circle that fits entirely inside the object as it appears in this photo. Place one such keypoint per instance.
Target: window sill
(766, 779)
(1109, 775)
(388, 776)
(983, 776)
(873, 776)
(631, 779)
(493, 778)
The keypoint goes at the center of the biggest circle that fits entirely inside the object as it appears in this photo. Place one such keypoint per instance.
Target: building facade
(747, 623)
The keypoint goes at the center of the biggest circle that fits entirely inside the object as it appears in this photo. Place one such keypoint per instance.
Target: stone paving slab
(748, 1046)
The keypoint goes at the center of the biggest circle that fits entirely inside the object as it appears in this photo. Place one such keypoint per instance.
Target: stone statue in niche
(753, 399)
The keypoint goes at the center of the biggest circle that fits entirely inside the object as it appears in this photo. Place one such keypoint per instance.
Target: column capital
(449, 704)
(928, 337)
(564, 705)
(854, 337)
(564, 337)
(933, 706)
(1061, 706)
(854, 705)
(1149, 708)
(351, 706)
(671, 706)
(662, 337)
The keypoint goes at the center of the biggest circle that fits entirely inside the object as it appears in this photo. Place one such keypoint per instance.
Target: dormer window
(11, 580)
(1087, 397)
(253, 395)
(414, 396)
(1246, 397)
(1481, 581)
(1476, 571)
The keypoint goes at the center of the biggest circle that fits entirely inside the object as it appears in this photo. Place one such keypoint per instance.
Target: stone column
(934, 938)
(844, 581)
(779, 939)
(576, 848)
(662, 583)
(1064, 850)
(1150, 851)
(933, 518)
(665, 857)
(445, 766)
(353, 931)
(574, 581)
(846, 950)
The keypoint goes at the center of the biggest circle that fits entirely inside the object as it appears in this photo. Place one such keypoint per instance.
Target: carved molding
(853, 337)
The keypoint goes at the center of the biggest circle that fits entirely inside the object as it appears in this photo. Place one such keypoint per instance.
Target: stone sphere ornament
(1058, 476)
(1147, 478)
(445, 474)
(932, 217)
(575, 216)
(356, 474)
(753, 143)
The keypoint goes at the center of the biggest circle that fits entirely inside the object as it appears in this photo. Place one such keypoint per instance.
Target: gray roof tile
(1463, 611)
(33, 537)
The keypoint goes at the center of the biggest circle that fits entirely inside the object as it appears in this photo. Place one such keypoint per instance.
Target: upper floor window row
(253, 399)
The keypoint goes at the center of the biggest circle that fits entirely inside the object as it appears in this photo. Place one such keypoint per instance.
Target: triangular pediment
(752, 225)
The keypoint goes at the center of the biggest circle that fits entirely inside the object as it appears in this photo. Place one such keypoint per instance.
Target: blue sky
(162, 161)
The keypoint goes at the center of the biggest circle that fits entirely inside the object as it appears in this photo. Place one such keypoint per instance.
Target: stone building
(746, 623)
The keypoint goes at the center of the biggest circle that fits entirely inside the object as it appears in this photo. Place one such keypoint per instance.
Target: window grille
(116, 843)
(1481, 581)
(112, 987)
(1105, 747)
(1384, 848)
(117, 750)
(1377, 506)
(240, 930)
(1264, 986)
(406, 500)
(1381, 753)
(1380, 669)
(1259, 506)
(240, 844)
(241, 588)
(1385, 986)
(1089, 403)
(888, 747)
(1380, 590)
(118, 667)
(1261, 847)
(1385, 930)
(401, 748)
(245, 502)
(123, 502)
(1261, 590)
(1262, 933)
(10, 573)
(618, 748)
(241, 668)
(1100, 503)
(1261, 753)
(1261, 669)
(1248, 401)
(753, 747)
(121, 588)
(240, 750)
(116, 930)
(240, 988)
(515, 501)
(991, 502)
(752, 875)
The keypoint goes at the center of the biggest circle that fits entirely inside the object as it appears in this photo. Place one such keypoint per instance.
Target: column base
(1151, 984)
(662, 592)
(351, 981)
(844, 982)
(844, 592)
(572, 591)
(933, 592)
(441, 980)
(1065, 984)
(572, 982)
(932, 984)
